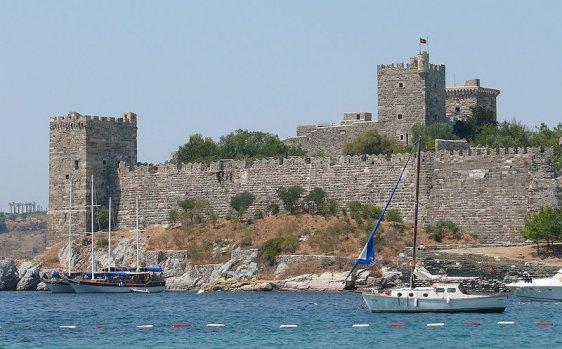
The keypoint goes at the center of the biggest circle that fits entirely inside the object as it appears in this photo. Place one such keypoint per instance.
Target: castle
(409, 94)
(488, 193)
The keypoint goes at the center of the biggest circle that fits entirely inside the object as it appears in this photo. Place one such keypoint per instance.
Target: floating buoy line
(391, 325)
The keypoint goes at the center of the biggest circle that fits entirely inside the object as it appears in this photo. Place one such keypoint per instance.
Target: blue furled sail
(367, 256)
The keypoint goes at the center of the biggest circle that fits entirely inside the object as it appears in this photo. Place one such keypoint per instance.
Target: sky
(213, 67)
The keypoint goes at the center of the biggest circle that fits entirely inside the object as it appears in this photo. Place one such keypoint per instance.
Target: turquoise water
(33, 320)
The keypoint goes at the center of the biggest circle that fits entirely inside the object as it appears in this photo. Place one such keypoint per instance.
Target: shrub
(393, 215)
(241, 202)
(173, 217)
(274, 209)
(273, 247)
(438, 231)
(290, 197)
(102, 242)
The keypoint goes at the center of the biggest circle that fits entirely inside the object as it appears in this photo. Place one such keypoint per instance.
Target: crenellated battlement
(470, 91)
(128, 118)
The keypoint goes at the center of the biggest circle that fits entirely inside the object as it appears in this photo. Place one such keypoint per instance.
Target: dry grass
(337, 236)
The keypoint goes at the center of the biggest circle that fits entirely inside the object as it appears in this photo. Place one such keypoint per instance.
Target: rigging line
(386, 206)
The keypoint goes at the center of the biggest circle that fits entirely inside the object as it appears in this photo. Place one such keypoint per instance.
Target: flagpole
(427, 43)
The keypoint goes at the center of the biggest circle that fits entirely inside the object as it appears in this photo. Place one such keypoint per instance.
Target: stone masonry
(408, 94)
(81, 147)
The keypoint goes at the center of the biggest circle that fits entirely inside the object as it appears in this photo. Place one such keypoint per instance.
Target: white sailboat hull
(426, 299)
(59, 286)
(100, 288)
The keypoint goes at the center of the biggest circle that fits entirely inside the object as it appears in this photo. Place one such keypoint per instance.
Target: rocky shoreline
(240, 272)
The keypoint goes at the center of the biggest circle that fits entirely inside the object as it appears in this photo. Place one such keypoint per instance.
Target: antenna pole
(70, 228)
(109, 237)
(418, 165)
(137, 207)
(92, 203)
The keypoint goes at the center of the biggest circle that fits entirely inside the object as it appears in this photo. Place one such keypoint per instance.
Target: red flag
(423, 41)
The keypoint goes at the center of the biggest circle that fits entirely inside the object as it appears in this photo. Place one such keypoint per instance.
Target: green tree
(197, 149)
(429, 133)
(102, 218)
(290, 197)
(372, 143)
(393, 215)
(545, 225)
(195, 210)
(315, 199)
(173, 217)
(472, 126)
(243, 144)
(241, 202)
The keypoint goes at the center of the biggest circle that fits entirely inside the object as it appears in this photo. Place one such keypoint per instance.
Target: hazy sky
(212, 67)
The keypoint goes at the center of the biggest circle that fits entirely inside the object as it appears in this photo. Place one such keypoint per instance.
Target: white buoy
(436, 324)
(506, 323)
(288, 326)
(215, 325)
(200, 291)
(360, 325)
(145, 326)
(68, 326)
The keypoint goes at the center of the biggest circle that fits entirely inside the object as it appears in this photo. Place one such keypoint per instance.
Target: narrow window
(75, 164)
(104, 161)
(399, 116)
(67, 177)
(358, 116)
(435, 117)
(401, 137)
(400, 84)
(457, 109)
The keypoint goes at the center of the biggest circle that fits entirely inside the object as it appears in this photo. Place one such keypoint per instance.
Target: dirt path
(527, 253)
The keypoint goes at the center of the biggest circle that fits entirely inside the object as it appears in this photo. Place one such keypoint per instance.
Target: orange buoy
(181, 325)
(471, 323)
(396, 325)
(545, 324)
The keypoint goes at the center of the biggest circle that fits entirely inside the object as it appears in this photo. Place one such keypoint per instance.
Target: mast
(418, 165)
(109, 238)
(137, 207)
(92, 217)
(70, 228)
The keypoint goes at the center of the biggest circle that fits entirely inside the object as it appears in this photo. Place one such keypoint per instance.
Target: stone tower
(410, 94)
(461, 98)
(81, 147)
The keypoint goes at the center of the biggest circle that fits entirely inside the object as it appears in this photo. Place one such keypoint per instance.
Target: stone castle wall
(485, 193)
(81, 146)
(329, 139)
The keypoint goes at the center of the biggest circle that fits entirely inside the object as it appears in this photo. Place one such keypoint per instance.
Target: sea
(256, 320)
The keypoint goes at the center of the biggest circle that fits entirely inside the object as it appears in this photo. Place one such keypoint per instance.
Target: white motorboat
(439, 297)
(538, 289)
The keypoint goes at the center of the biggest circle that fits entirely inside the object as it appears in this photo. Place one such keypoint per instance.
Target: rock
(193, 278)
(281, 268)
(265, 286)
(42, 287)
(29, 277)
(8, 275)
(173, 263)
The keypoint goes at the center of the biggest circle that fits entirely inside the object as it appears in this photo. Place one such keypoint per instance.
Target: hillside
(25, 236)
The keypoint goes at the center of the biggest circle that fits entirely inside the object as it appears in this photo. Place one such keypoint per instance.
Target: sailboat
(439, 297)
(124, 280)
(55, 282)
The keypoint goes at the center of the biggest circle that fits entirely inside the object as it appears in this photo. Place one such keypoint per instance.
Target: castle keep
(487, 193)
(408, 94)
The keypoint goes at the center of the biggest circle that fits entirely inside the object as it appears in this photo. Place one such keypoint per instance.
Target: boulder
(8, 275)
(42, 287)
(193, 278)
(29, 277)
